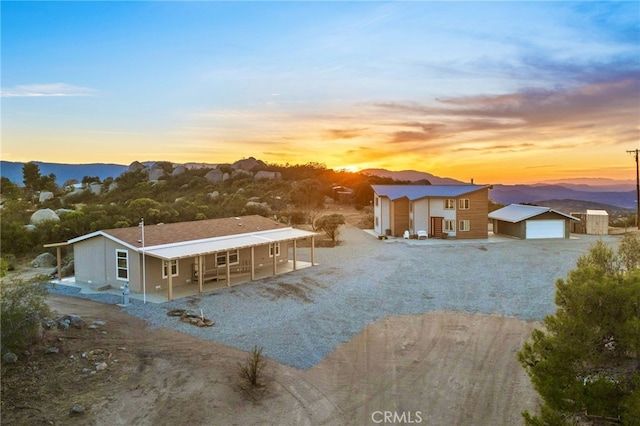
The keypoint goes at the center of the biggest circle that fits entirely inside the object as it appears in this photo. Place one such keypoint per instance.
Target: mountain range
(617, 194)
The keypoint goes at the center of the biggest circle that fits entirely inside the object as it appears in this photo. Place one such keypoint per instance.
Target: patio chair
(406, 235)
(422, 235)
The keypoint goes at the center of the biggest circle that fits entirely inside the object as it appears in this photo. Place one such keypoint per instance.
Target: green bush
(22, 307)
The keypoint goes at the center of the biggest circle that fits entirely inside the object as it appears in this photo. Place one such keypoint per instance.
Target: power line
(635, 151)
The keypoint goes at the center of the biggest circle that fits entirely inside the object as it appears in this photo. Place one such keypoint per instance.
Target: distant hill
(412, 176)
(64, 172)
(594, 184)
(579, 206)
(508, 194)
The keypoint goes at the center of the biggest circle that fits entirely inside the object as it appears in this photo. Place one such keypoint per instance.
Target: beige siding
(477, 215)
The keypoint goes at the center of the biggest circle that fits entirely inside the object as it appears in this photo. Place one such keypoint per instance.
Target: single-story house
(593, 222)
(531, 222)
(458, 211)
(160, 257)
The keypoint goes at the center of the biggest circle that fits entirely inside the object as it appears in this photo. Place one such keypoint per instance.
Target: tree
(586, 363)
(330, 224)
(8, 189)
(31, 175)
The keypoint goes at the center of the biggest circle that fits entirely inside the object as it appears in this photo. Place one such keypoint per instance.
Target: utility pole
(635, 152)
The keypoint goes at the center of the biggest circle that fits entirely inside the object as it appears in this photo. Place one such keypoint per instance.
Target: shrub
(251, 370)
(22, 307)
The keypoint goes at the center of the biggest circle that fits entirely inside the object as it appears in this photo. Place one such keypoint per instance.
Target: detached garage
(531, 222)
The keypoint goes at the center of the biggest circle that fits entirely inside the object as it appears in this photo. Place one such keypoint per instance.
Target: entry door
(436, 226)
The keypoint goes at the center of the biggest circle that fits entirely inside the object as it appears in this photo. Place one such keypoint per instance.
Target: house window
(449, 225)
(122, 265)
(174, 268)
(377, 221)
(221, 258)
(463, 204)
(411, 207)
(465, 225)
(376, 198)
(277, 248)
(449, 204)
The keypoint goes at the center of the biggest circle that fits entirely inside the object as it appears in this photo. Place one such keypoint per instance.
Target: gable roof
(415, 192)
(518, 212)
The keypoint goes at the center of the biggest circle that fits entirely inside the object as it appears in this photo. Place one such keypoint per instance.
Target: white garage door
(545, 229)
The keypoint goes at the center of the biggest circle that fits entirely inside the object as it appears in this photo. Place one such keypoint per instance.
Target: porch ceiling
(221, 244)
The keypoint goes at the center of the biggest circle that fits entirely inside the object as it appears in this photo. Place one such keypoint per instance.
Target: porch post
(313, 250)
(59, 256)
(200, 273)
(228, 270)
(295, 254)
(253, 269)
(273, 245)
(170, 295)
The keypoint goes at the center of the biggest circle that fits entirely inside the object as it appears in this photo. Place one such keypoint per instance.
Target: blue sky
(498, 91)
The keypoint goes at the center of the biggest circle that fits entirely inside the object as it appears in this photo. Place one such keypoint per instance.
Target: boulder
(44, 215)
(72, 320)
(76, 410)
(178, 170)
(10, 358)
(61, 212)
(215, 176)
(29, 228)
(113, 185)
(241, 173)
(262, 174)
(44, 196)
(156, 173)
(44, 260)
(95, 188)
(213, 195)
(68, 269)
(136, 166)
(248, 164)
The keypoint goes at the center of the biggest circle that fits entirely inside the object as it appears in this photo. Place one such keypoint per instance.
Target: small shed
(593, 222)
(531, 222)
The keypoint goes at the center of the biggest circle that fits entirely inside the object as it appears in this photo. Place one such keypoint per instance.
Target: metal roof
(220, 244)
(415, 192)
(518, 212)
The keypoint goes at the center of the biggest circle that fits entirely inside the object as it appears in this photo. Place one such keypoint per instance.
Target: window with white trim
(463, 204)
(277, 247)
(465, 225)
(376, 198)
(122, 265)
(449, 225)
(221, 258)
(174, 268)
(449, 204)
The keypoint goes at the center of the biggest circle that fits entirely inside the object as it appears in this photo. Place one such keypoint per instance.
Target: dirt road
(435, 369)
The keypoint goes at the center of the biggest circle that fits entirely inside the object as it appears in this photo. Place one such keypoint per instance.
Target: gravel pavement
(300, 317)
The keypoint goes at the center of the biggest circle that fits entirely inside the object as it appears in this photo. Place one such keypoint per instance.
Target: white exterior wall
(421, 215)
(436, 208)
(381, 214)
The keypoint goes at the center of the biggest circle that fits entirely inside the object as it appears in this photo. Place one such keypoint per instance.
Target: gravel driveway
(300, 317)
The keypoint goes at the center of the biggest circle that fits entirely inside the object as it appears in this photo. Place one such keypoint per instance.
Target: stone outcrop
(263, 174)
(155, 174)
(44, 215)
(95, 188)
(136, 166)
(44, 260)
(178, 170)
(216, 175)
(249, 164)
(44, 196)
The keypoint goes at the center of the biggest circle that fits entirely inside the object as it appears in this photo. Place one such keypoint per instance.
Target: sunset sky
(502, 92)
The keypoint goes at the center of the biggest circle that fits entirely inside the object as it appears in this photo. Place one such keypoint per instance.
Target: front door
(436, 227)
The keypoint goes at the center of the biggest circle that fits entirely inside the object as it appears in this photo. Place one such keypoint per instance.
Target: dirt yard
(435, 369)
(438, 368)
